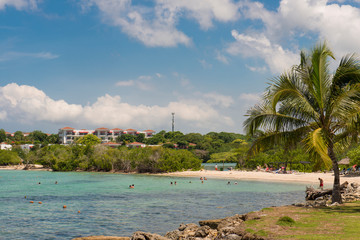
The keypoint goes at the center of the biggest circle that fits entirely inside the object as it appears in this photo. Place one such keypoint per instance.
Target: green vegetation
(341, 222)
(313, 105)
(285, 221)
(102, 158)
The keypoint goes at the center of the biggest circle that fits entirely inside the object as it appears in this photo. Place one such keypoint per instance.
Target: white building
(26, 147)
(5, 146)
(68, 135)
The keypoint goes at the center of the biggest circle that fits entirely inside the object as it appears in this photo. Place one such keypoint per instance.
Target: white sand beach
(308, 178)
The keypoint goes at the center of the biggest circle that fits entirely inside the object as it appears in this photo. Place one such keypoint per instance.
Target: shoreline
(299, 177)
(311, 178)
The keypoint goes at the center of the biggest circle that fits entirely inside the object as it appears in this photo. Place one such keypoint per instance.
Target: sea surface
(108, 207)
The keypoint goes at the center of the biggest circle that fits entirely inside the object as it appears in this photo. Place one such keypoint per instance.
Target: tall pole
(173, 121)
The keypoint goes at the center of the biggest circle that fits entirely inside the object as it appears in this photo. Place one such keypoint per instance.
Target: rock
(232, 237)
(334, 204)
(214, 223)
(102, 238)
(202, 231)
(174, 235)
(147, 236)
(230, 221)
(251, 216)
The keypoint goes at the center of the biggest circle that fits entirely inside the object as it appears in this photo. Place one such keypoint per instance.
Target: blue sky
(130, 64)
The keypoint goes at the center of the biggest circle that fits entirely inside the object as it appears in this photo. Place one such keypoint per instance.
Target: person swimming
(132, 186)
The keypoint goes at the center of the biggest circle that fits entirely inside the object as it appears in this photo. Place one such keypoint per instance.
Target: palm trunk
(336, 194)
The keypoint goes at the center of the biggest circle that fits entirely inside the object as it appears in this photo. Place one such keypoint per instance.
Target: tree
(18, 136)
(140, 137)
(53, 138)
(2, 135)
(126, 138)
(38, 136)
(89, 140)
(312, 104)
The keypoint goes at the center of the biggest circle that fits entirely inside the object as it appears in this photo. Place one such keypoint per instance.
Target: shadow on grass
(348, 208)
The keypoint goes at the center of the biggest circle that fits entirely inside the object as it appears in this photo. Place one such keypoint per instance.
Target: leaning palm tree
(312, 105)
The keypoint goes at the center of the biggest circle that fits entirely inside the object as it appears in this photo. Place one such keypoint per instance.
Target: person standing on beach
(216, 167)
(321, 183)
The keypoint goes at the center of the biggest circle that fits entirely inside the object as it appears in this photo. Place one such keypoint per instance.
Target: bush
(285, 221)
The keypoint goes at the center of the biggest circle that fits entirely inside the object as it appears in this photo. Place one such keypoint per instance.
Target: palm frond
(316, 143)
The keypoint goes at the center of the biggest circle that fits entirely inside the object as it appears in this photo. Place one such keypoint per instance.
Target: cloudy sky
(131, 63)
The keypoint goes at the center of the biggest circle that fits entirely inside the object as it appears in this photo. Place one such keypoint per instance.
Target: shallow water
(108, 207)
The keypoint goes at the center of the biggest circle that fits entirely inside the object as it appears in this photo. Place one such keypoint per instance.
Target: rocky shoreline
(230, 228)
(234, 228)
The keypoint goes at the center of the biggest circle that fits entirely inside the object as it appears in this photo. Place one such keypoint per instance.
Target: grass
(341, 222)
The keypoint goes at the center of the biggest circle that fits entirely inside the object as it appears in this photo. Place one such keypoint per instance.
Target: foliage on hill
(102, 158)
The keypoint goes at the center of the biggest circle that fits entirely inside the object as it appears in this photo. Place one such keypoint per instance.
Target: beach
(298, 177)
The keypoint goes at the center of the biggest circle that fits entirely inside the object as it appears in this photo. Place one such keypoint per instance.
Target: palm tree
(309, 104)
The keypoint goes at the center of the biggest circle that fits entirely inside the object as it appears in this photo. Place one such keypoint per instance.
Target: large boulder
(102, 238)
(213, 223)
(147, 236)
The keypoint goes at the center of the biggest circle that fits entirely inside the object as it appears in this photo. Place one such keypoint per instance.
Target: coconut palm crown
(312, 105)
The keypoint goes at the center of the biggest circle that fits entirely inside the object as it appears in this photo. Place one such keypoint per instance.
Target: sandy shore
(308, 178)
(21, 167)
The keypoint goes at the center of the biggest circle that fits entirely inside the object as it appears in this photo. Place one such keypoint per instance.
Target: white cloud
(205, 64)
(19, 4)
(256, 69)
(250, 99)
(338, 23)
(204, 11)
(156, 26)
(142, 82)
(125, 83)
(218, 99)
(258, 45)
(220, 57)
(30, 105)
(8, 56)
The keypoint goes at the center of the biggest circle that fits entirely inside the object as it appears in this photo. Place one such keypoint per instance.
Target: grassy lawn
(342, 222)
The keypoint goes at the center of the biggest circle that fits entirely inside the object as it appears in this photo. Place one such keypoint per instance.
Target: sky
(131, 63)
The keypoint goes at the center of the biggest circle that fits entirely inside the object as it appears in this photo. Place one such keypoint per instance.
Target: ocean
(103, 203)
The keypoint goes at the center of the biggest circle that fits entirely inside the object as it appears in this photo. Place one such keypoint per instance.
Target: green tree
(126, 138)
(53, 139)
(2, 135)
(19, 136)
(313, 104)
(140, 138)
(9, 158)
(38, 136)
(89, 140)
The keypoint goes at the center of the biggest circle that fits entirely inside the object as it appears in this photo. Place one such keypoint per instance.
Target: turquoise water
(108, 207)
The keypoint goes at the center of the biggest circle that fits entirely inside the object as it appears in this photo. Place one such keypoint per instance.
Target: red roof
(136, 143)
(111, 143)
(117, 129)
(149, 131)
(130, 130)
(102, 128)
(67, 128)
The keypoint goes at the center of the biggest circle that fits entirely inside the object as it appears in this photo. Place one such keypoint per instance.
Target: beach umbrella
(344, 161)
